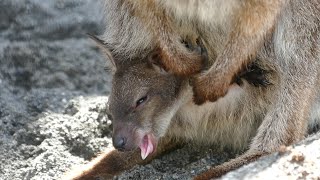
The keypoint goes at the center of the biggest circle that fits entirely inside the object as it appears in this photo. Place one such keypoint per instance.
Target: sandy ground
(53, 94)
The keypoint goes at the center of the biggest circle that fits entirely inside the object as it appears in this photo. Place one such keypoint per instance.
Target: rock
(301, 161)
(48, 68)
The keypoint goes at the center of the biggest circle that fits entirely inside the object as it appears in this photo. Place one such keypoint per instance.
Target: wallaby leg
(113, 162)
(285, 123)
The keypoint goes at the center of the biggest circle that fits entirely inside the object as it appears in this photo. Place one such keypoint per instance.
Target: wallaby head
(142, 102)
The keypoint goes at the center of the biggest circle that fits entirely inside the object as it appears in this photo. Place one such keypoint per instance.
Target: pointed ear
(104, 47)
(154, 60)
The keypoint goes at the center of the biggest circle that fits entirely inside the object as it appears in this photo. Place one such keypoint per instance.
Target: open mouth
(148, 145)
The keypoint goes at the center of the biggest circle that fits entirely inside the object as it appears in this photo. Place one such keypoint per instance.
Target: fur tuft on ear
(104, 47)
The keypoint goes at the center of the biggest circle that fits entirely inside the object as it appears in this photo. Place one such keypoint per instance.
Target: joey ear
(104, 47)
(154, 59)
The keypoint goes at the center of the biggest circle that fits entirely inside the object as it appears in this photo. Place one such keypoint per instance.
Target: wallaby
(272, 78)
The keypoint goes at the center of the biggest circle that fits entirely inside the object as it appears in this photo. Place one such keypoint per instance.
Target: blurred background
(53, 87)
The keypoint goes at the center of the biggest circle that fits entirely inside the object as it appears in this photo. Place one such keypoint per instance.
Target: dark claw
(204, 54)
(254, 75)
(200, 49)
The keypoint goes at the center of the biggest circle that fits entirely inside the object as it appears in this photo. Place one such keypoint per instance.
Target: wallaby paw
(185, 65)
(190, 61)
(209, 87)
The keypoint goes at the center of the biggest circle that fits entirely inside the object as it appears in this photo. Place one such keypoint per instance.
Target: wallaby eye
(141, 101)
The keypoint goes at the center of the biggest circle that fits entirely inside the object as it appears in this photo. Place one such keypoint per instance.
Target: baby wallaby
(269, 102)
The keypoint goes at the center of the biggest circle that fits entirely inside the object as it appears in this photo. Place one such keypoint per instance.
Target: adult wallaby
(261, 70)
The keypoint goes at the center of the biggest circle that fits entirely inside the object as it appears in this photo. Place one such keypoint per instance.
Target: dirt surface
(53, 95)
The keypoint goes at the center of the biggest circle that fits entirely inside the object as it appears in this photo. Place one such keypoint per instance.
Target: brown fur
(174, 57)
(251, 22)
(233, 164)
(282, 38)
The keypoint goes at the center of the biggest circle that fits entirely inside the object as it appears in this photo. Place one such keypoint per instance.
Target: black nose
(119, 142)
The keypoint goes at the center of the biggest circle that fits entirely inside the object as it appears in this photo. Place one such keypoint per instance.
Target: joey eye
(141, 100)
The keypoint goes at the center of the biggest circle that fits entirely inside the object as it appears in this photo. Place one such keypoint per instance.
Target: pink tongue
(146, 146)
